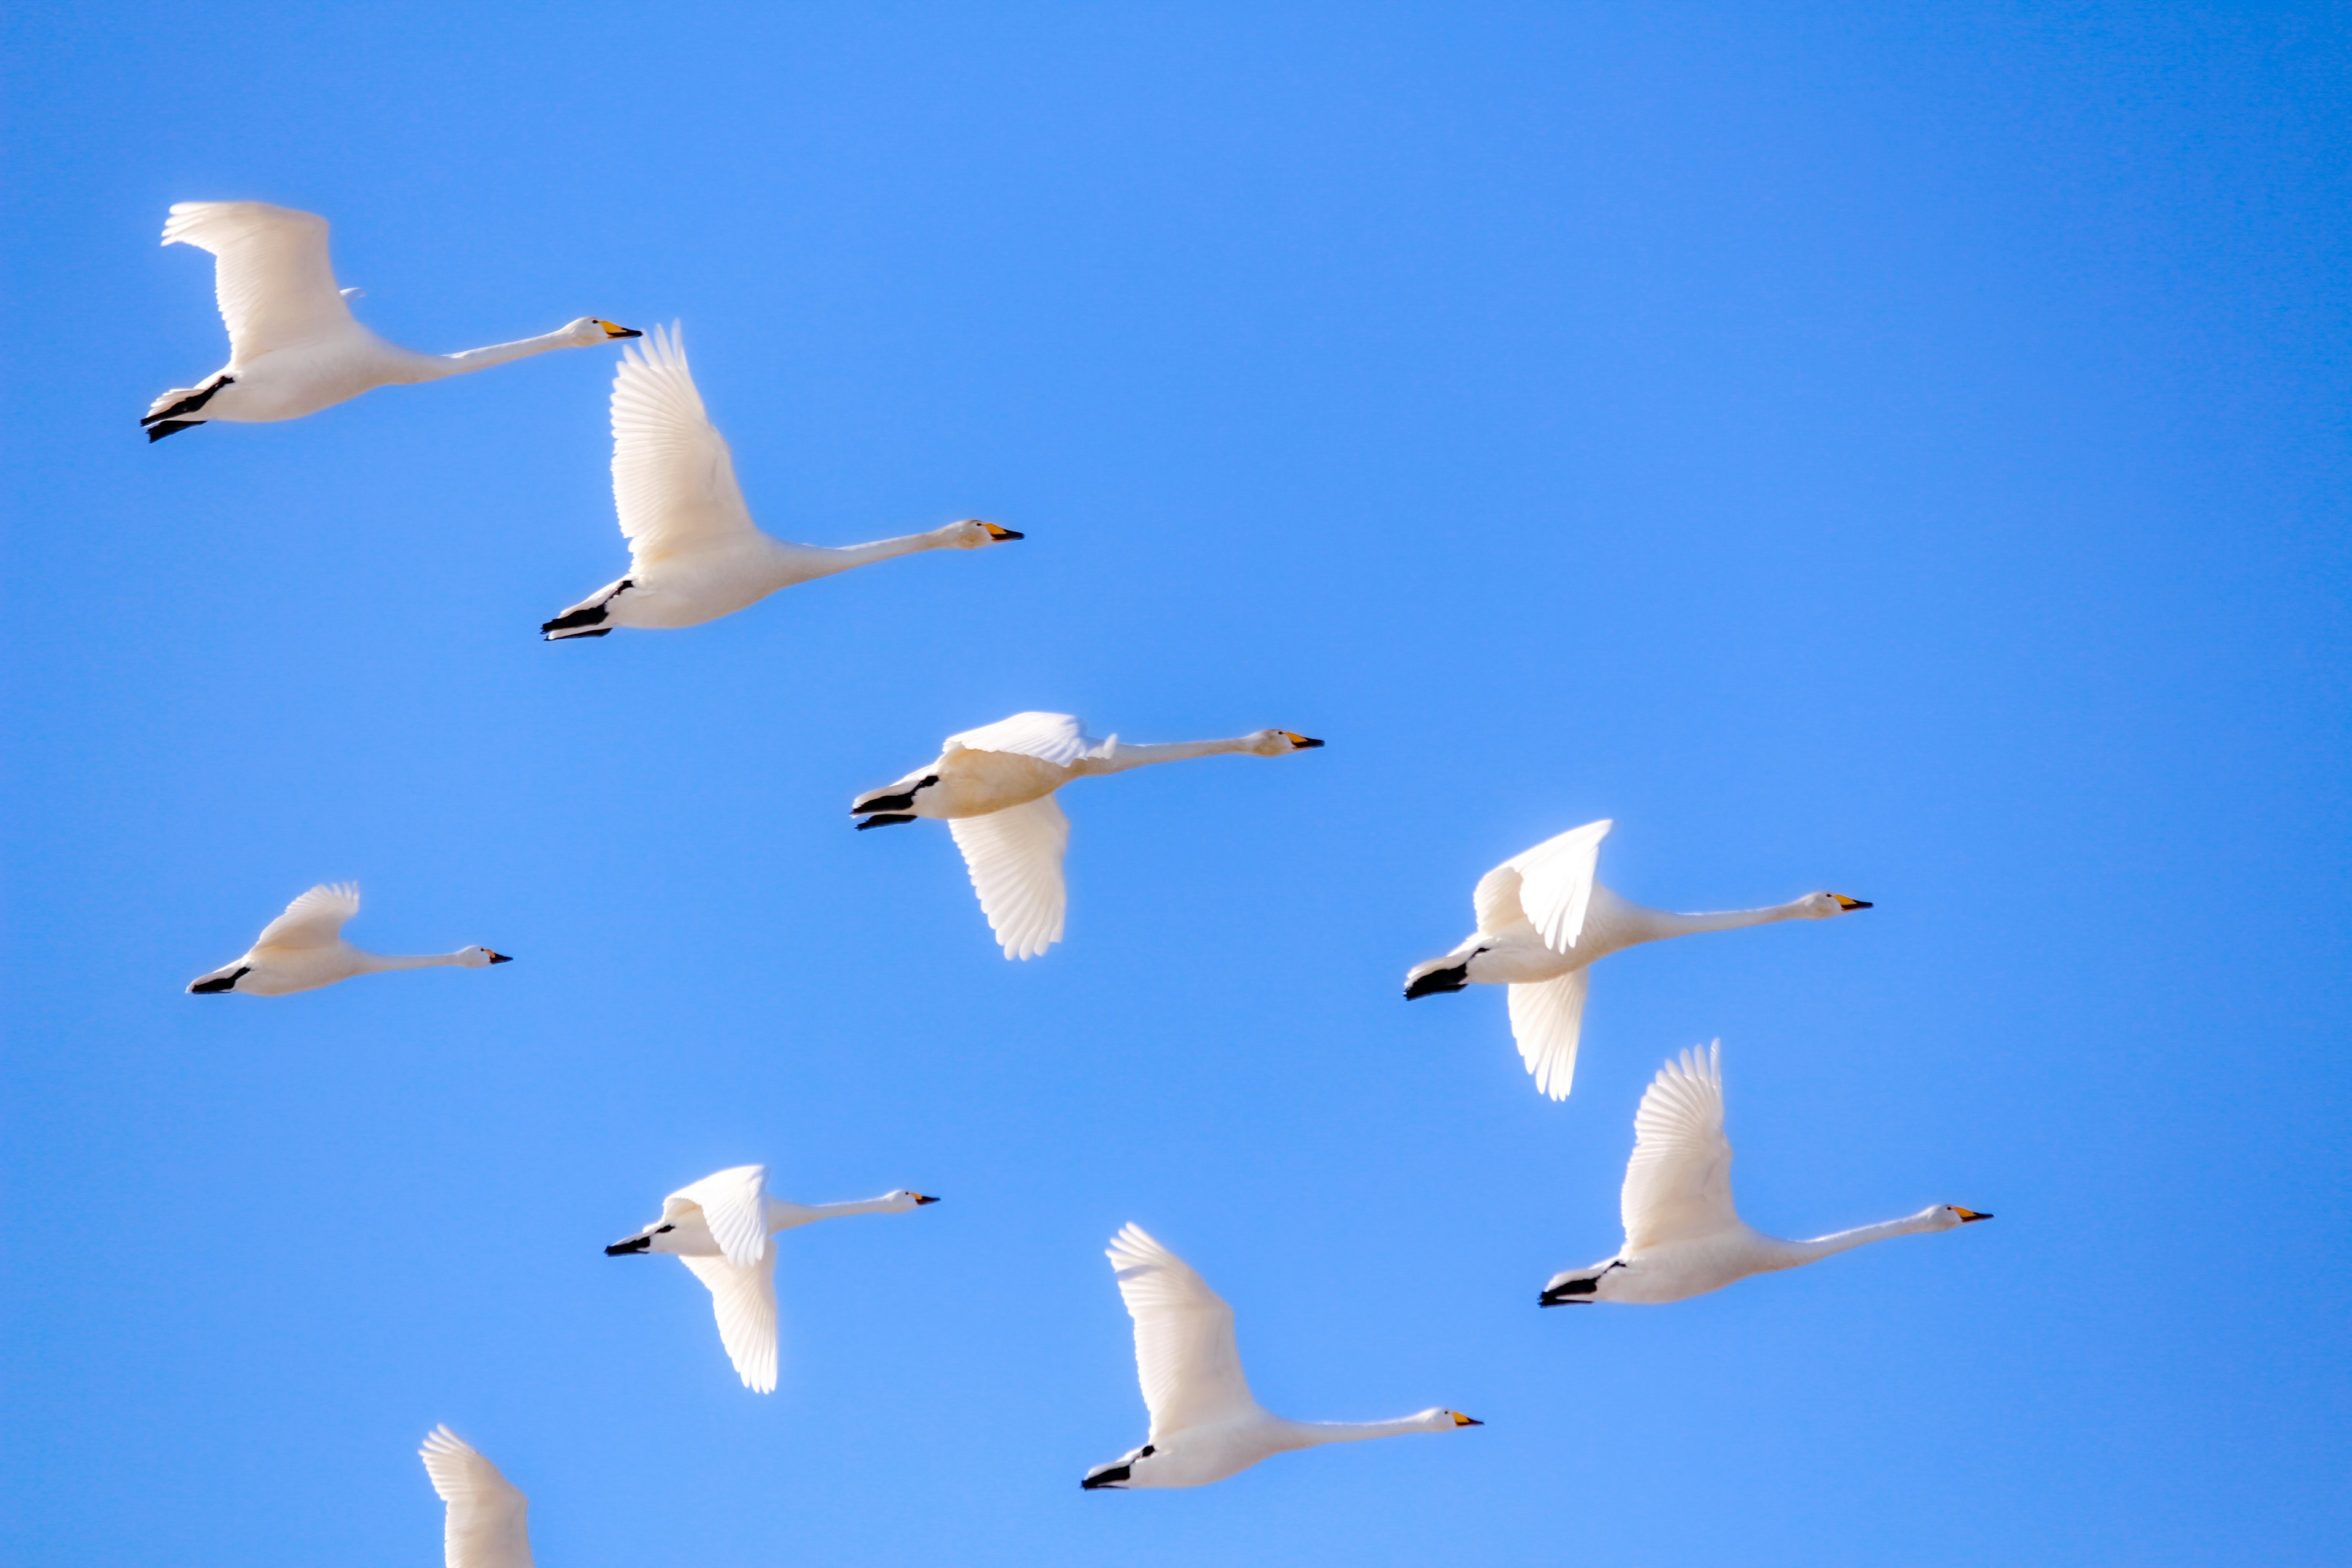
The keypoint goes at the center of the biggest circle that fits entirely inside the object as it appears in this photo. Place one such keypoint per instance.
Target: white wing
(734, 1205)
(1678, 1184)
(485, 1527)
(270, 272)
(1554, 885)
(1014, 857)
(314, 920)
(1057, 738)
(1185, 1353)
(673, 480)
(1547, 1018)
(745, 1301)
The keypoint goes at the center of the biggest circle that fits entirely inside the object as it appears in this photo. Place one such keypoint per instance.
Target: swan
(994, 788)
(1542, 919)
(1683, 1238)
(484, 1525)
(293, 345)
(694, 552)
(718, 1227)
(304, 949)
(1205, 1425)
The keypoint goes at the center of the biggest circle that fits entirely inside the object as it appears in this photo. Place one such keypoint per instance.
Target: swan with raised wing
(1205, 1424)
(1683, 1238)
(1542, 919)
(718, 1227)
(294, 347)
(694, 552)
(994, 788)
(304, 949)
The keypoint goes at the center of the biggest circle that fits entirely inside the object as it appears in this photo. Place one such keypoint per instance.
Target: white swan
(994, 788)
(1542, 919)
(718, 1227)
(1205, 1425)
(694, 552)
(304, 949)
(1683, 1238)
(293, 345)
(484, 1525)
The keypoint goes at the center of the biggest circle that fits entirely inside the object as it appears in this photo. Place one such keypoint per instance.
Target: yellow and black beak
(1850, 904)
(920, 1200)
(1462, 1420)
(1300, 742)
(1000, 534)
(1967, 1214)
(614, 330)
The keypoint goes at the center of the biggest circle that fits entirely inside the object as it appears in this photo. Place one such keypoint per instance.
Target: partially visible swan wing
(1184, 1352)
(1057, 738)
(270, 272)
(744, 1298)
(485, 1526)
(1678, 1184)
(1549, 885)
(734, 1205)
(1014, 857)
(314, 920)
(1547, 1020)
(673, 476)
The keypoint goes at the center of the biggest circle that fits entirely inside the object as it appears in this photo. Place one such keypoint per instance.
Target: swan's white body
(694, 552)
(1543, 920)
(1682, 1236)
(994, 788)
(304, 949)
(485, 1524)
(294, 347)
(1205, 1424)
(718, 1227)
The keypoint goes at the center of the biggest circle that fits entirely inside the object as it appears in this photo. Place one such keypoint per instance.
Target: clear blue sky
(1894, 449)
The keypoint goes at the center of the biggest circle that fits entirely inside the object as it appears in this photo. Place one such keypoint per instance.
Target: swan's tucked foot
(1579, 1291)
(635, 1244)
(182, 400)
(1437, 982)
(883, 801)
(172, 427)
(1115, 1474)
(886, 819)
(218, 983)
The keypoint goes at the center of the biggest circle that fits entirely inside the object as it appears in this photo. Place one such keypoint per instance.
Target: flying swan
(994, 787)
(1205, 1425)
(1542, 919)
(718, 1227)
(1683, 1238)
(304, 949)
(694, 553)
(293, 345)
(484, 1525)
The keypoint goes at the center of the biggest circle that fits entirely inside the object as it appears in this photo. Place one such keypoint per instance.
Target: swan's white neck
(1313, 1434)
(1820, 1246)
(1725, 920)
(783, 1215)
(384, 962)
(438, 368)
(807, 560)
(1117, 756)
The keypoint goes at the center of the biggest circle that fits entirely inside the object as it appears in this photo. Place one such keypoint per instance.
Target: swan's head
(1951, 1217)
(1280, 742)
(1573, 1286)
(971, 534)
(480, 958)
(589, 331)
(902, 1200)
(1446, 1420)
(1827, 906)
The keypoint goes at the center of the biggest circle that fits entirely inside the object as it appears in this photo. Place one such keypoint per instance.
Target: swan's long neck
(783, 1215)
(1788, 1254)
(809, 560)
(1723, 919)
(1311, 1434)
(436, 367)
(384, 962)
(1117, 756)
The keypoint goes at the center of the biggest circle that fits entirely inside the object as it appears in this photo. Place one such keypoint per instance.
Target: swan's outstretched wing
(1678, 1184)
(1549, 885)
(314, 920)
(673, 478)
(1547, 1018)
(1014, 857)
(270, 272)
(485, 1526)
(744, 1298)
(734, 1205)
(1057, 738)
(1184, 1352)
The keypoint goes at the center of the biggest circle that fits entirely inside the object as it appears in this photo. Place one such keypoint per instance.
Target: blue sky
(1894, 449)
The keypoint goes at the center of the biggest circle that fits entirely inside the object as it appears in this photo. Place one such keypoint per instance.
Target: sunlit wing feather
(1555, 883)
(1184, 1352)
(744, 1299)
(1547, 1019)
(1015, 858)
(485, 1527)
(1678, 1183)
(673, 477)
(315, 919)
(734, 1205)
(277, 288)
(1056, 738)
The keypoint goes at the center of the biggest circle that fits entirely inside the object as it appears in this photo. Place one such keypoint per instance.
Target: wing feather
(485, 1526)
(1555, 883)
(744, 1299)
(270, 272)
(1185, 1351)
(1678, 1183)
(1057, 738)
(1015, 858)
(1547, 1020)
(673, 476)
(734, 1205)
(315, 919)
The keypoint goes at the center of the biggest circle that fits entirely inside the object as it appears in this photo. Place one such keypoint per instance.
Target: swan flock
(1542, 918)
